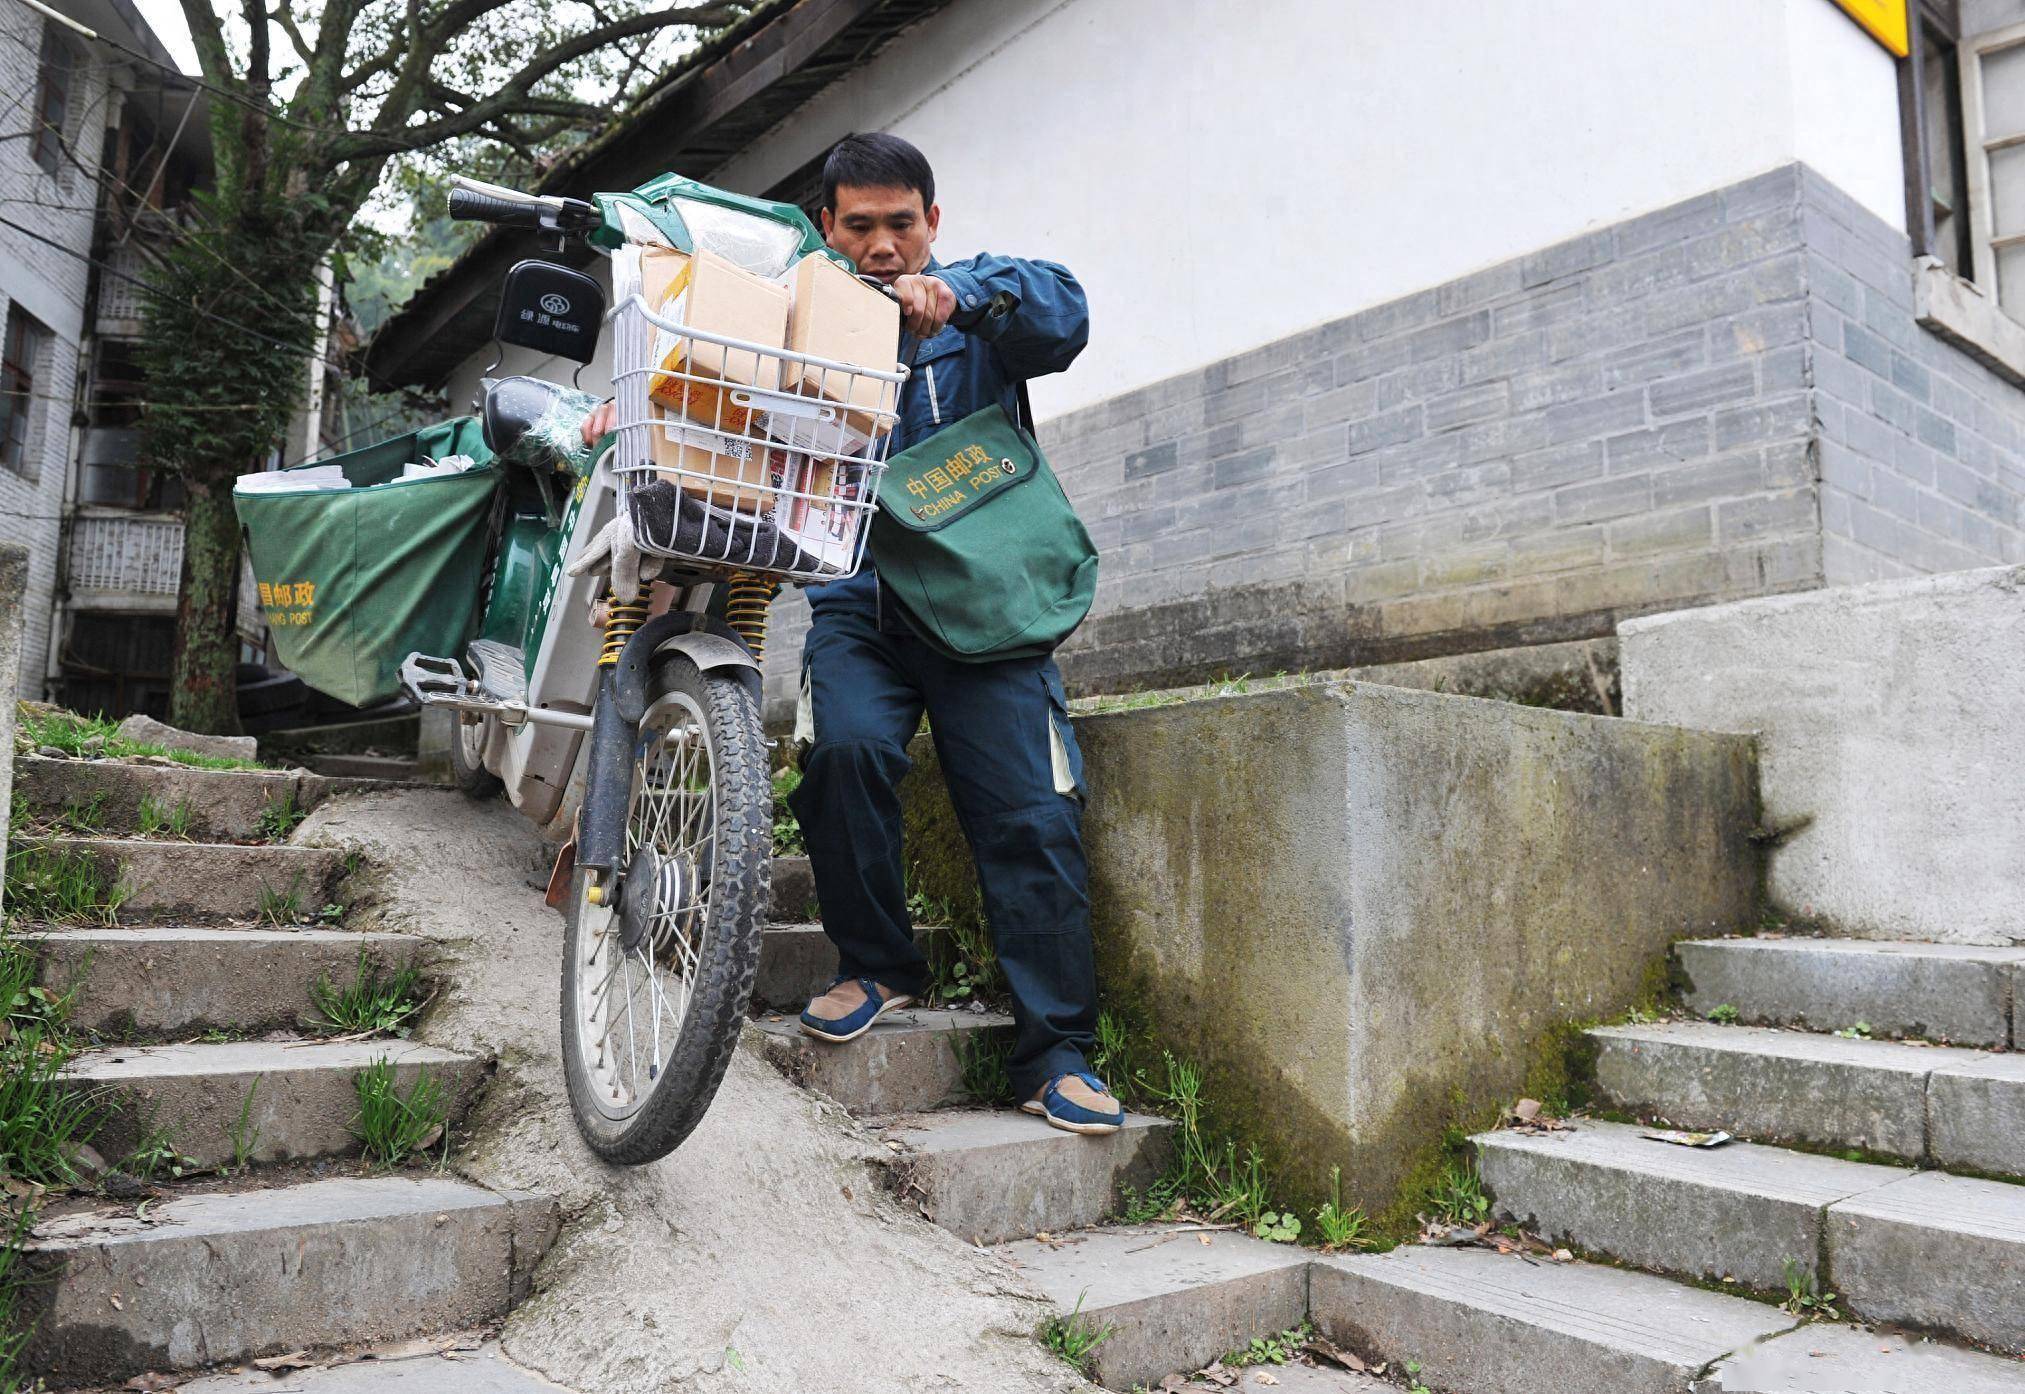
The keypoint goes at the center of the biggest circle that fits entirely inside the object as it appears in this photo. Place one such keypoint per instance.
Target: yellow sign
(1884, 19)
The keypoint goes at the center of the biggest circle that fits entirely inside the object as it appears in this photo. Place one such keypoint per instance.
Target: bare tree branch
(283, 18)
(391, 134)
(214, 61)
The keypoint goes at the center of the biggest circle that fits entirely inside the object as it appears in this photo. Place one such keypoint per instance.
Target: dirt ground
(762, 1256)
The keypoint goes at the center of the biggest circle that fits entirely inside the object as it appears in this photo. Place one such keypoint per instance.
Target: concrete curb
(1936, 1252)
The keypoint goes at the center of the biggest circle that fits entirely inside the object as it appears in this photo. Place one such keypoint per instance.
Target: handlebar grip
(470, 206)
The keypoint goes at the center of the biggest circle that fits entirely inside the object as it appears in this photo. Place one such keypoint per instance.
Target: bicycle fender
(694, 636)
(708, 651)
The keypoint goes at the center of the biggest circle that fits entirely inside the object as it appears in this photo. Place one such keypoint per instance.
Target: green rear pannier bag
(976, 540)
(354, 580)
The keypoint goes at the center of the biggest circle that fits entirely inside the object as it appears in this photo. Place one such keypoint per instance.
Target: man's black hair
(875, 160)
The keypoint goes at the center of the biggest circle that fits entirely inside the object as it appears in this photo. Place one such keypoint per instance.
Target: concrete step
(483, 1371)
(224, 804)
(797, 962)
(1956, 1108)
(989, 1175)
(1172, 1301)
(794, 891)
(303, 1099)
(911, 1062)
(175, 981)
(219, 1278)
(1943, 992)
(1823, 1359)
(388, 769)
(1738, 1212)
(1935, 1252)
(1489, 1323)
(203, 878)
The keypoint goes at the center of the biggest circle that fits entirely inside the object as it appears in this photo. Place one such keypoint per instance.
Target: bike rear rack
(441, 682)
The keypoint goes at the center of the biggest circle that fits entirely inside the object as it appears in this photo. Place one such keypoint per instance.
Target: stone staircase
(281, 1237)
(1686, 1253)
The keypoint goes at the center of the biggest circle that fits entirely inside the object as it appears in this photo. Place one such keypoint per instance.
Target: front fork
(631, 641)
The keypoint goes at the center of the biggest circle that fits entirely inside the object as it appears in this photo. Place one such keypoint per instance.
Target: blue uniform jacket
(1014, 320)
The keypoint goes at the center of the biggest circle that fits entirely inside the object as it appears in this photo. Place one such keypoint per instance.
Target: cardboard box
(733, 473)
(698, 419)
(835, 315)
(717, 297)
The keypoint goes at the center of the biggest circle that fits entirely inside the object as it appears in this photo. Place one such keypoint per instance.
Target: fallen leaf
(1526, 1110)
(152, 1382)
(294, 1360)
(1563, 1256)
(1263, 1378)
(1203, 1238)
(114, 1298)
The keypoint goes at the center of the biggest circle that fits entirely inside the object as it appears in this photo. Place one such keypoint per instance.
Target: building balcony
(128, 561)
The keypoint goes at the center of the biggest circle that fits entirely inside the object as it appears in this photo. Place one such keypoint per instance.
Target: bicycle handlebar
(470, 206)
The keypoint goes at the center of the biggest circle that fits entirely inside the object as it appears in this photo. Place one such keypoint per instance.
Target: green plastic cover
(354, 580)
(976, 540)
(656, 201)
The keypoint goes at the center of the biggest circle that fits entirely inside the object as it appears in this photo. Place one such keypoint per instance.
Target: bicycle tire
(466, 772)
(741, 881)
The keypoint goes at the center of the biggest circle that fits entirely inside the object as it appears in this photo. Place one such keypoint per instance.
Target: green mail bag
(354, 580)
(977, 542)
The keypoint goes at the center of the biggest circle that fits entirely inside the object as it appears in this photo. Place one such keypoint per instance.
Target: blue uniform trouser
(1002, 734)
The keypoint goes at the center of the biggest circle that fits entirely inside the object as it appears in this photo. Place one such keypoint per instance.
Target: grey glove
(617, 550)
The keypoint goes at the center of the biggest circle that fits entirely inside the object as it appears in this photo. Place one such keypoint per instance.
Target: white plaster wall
(1221, 176)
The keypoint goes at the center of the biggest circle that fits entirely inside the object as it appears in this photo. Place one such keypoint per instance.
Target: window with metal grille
(22, 353)
(54, 96)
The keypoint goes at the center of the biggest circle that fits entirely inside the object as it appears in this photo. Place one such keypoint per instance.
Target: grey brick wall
(1724, 398)
(1922, 447)
(53, 284)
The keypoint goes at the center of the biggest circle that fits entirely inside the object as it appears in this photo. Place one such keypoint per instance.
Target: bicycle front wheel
(655, 986)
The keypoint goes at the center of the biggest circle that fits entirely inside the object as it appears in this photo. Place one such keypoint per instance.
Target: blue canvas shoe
(1078, 1103)
(844, 1014)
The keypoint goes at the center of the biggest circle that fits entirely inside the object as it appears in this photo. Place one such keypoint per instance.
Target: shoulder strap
(1025, 420)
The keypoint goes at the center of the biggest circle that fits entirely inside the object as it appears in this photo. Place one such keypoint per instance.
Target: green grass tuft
(280, 818)
(394, 1127)
(376, 1002)
(981, 1058)
(787, 829)
(155, 820)
(92, 737)
(1074, 1337)
(61, 884)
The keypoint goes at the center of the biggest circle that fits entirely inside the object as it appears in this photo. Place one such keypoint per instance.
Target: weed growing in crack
(282, 908)
(43, 1120)
(156, 820)
(393, 1127)
(1456, 1196)
(156, 1157)
(1278, 1227)
(787, 829)
(244, 1134)
(372, 1003)
(279, 818)
(1214, 1181)
(1723, 1014)
(1270, 1350)
(1804, 1297)
(1858, 1032)
(1074, 1337)
(981, 1058)
(85, 817)
(1339, 1228)
(59, 884)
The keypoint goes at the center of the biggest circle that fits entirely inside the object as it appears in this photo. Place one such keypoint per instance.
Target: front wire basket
(737, 456)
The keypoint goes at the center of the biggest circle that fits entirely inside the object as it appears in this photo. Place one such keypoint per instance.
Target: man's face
(885, 231)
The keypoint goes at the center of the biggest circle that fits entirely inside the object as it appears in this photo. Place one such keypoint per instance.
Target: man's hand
(926, 303)
(600, 421)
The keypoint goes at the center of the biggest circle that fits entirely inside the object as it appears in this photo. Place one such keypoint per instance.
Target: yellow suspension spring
(748, 602)
(622, 618)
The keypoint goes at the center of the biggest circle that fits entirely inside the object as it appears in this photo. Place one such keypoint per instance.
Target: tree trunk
(205, 693)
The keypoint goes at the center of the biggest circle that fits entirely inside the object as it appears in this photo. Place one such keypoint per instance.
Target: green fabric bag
(354, 580)
(979, 545)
